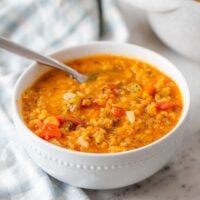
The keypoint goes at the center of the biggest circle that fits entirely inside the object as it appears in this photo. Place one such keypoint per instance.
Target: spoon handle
(32, 55)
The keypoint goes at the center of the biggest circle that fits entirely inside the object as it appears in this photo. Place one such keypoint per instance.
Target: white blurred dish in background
(176, 22)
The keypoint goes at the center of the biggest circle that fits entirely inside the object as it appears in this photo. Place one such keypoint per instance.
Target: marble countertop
(180, 178)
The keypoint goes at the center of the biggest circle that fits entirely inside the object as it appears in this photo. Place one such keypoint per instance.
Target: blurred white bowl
(176, 22)
(101, 171)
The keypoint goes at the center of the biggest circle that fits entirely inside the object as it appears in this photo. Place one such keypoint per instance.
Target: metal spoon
(27, 53)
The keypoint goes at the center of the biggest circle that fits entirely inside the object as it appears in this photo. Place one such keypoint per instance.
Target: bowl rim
(18, 119)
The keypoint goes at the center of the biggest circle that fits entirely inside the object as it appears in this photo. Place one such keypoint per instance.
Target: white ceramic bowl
(101, 171)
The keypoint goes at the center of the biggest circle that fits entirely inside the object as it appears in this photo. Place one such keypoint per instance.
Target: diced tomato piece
(96, 103)
(75, 121)
(150, 89)
(61, 119)
(118, 112)
(165, 105)
(50, 131)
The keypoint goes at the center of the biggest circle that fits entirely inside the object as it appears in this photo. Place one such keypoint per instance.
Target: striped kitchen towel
(43, 25)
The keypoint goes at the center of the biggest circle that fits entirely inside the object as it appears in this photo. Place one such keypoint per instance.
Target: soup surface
(128, 105)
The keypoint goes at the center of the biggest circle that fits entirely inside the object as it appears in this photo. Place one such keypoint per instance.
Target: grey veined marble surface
(180, 178)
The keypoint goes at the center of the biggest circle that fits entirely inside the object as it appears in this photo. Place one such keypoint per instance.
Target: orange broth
(128, 105)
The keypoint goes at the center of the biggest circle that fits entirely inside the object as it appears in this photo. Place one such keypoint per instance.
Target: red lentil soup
(128, 105)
